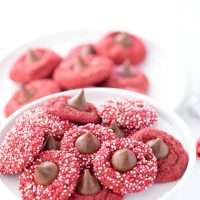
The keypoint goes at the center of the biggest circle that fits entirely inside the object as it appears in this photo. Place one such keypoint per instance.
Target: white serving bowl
(168, 121)
(158, 66)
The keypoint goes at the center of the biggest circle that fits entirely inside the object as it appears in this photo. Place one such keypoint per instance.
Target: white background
(172, 23)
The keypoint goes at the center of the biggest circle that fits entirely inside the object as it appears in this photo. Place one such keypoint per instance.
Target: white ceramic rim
(173, 117)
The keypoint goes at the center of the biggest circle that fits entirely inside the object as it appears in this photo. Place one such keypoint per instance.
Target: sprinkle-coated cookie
(21, 144)
(48, 123)
(137, 179)
(62, 186)
(128, 113)
(100, 133)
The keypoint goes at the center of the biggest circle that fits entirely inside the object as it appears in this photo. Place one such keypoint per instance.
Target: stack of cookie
(111, 62)
(70, 149)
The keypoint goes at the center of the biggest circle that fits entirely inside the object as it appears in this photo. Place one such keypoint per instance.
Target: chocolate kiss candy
(160, 148)
(27, 94)
(87, 143)
(80, 63)
(88, 184)
(125, 69)
(46, 173)
(123, 39)
(88, 50)
(124, 160)
(50, 144)
(120, 133)
(31, 57)
(78, 102)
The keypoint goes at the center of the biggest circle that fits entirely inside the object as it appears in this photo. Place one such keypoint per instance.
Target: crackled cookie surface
(34, 64)
(30, 92)
(127, 75)
(82, 71)
(83, 50)
(74, 109)
(120, 46)
(171, 156)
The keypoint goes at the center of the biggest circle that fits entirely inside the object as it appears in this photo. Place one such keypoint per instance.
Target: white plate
(168, 121)
(160, 66)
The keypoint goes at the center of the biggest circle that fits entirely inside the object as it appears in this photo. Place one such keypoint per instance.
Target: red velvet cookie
(34, 64)
(82, 71)
(85, 141)
(103, 195)
(171, 155)
(125, 166)
(74, 109)
(83, 50)
(30, 92)
(128, 113)
(127, 75)
(25, 140)
(120, 46)
(52, 176)
(21, 144)
(48, 123)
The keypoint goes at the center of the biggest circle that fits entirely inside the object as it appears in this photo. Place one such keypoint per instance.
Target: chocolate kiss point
(45, 173)
(27, 94)
(123, 39)
(80, 62)
(88, 184)
(124, 160)
(31, 57)
(120, 133)
(87, 143)
(88, 50)
(78, 102)
(125, 69)
(50, 144)
(160, 148)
